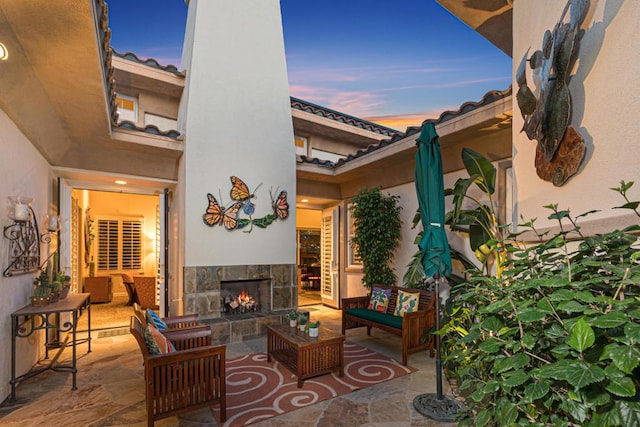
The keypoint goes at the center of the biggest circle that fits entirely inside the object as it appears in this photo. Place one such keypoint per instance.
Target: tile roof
(299, 104)
(488, 98)
(150, 62)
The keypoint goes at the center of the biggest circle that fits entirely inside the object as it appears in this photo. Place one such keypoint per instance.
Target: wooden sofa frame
(184, 380)
(416, 327)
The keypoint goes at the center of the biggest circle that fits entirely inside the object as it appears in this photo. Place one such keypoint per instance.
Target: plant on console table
(292, 317)
(302, 321)
(313, 328)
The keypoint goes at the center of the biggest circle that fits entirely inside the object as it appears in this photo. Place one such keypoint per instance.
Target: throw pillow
(156, 342)
(153, 318)
(379, 299)
(407, 303)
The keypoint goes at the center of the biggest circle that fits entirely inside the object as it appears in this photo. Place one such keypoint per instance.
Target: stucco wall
(24, 172)
(237, 119)
(604, 90)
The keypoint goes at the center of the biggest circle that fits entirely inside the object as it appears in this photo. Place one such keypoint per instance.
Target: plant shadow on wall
(242, 202)
(553, 336)
(377, 234)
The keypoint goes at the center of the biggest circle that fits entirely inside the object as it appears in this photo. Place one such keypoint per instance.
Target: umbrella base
(444, 409)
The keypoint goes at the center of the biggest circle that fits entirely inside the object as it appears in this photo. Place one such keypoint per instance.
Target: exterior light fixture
(121, 182)
(4, 52)
(304, 201)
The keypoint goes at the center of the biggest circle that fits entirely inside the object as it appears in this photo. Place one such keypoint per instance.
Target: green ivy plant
(377, 234)
(555, 339)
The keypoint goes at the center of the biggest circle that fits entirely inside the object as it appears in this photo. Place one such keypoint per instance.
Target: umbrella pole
(438, 357)
(437, 406)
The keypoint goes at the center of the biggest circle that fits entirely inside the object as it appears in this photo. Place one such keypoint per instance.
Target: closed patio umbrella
(436, 258)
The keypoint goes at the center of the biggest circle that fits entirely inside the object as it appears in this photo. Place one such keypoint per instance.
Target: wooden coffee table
(306, 356)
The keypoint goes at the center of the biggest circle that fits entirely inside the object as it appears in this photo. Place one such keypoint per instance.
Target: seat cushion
(374, 316)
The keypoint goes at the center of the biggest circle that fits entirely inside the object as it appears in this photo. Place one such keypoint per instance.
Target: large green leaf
(623, 387)
(490, 345)
(535, 391)
(582, 336)
(556, 370)
(624, 357)
(632, 332)
(508, 413)
(515, 378)
(476, 164)
(609, 320)
(581, 375)
(531, 315)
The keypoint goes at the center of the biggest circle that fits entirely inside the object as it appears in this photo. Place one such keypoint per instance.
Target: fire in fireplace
(244, 296)
(243, 303)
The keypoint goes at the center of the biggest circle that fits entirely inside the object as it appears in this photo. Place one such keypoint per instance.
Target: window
(301, 146)
(353, 260)
(127, 108)
(119, 244)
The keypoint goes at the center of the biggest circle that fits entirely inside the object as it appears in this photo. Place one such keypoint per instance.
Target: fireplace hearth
(273, 286)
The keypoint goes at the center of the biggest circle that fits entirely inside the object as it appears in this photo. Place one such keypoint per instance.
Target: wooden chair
(183, 380)
(145, 287)
(130, 287)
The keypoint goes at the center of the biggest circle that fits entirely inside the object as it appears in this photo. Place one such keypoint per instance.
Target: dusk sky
(393, 62)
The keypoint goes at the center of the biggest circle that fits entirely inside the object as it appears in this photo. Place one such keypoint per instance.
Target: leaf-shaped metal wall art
(547, 116)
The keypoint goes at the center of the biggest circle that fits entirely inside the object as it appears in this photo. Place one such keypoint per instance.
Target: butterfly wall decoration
(242, 203)
(219, 215)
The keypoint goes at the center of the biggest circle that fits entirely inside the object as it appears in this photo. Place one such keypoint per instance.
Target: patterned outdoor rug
(258, 390)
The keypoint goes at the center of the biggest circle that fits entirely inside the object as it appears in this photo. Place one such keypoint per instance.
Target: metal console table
(29, 319)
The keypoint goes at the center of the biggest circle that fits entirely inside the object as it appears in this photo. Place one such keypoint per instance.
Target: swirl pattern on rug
(258, 390)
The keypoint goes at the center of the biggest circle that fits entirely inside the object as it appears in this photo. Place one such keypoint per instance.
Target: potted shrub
(377, 234)
(313, 328)
(292, 317)
(302, 322)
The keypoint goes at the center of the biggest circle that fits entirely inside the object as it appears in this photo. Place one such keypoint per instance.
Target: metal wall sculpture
(560, 149)
(228, 215)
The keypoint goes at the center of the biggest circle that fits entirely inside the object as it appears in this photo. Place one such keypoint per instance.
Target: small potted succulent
(313, 328)
(292, 316)
(42, 292)
(302, 322)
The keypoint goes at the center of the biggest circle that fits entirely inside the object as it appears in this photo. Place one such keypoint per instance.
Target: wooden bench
(415, 328)
(184, 380)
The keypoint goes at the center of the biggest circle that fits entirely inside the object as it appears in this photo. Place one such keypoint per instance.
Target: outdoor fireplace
(245, 296)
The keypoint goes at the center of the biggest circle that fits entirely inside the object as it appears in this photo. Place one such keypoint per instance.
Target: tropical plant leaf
(478, 165)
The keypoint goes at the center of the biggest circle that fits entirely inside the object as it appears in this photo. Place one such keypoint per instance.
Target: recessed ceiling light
(4, 53)
(304, 200)
(121, 182)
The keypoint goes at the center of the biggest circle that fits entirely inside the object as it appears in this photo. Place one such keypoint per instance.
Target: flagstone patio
(111, 392)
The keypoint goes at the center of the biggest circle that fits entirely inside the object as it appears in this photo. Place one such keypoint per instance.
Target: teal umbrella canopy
(429, 179)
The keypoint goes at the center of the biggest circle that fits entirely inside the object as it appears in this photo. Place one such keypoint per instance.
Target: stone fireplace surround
(202, 285)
